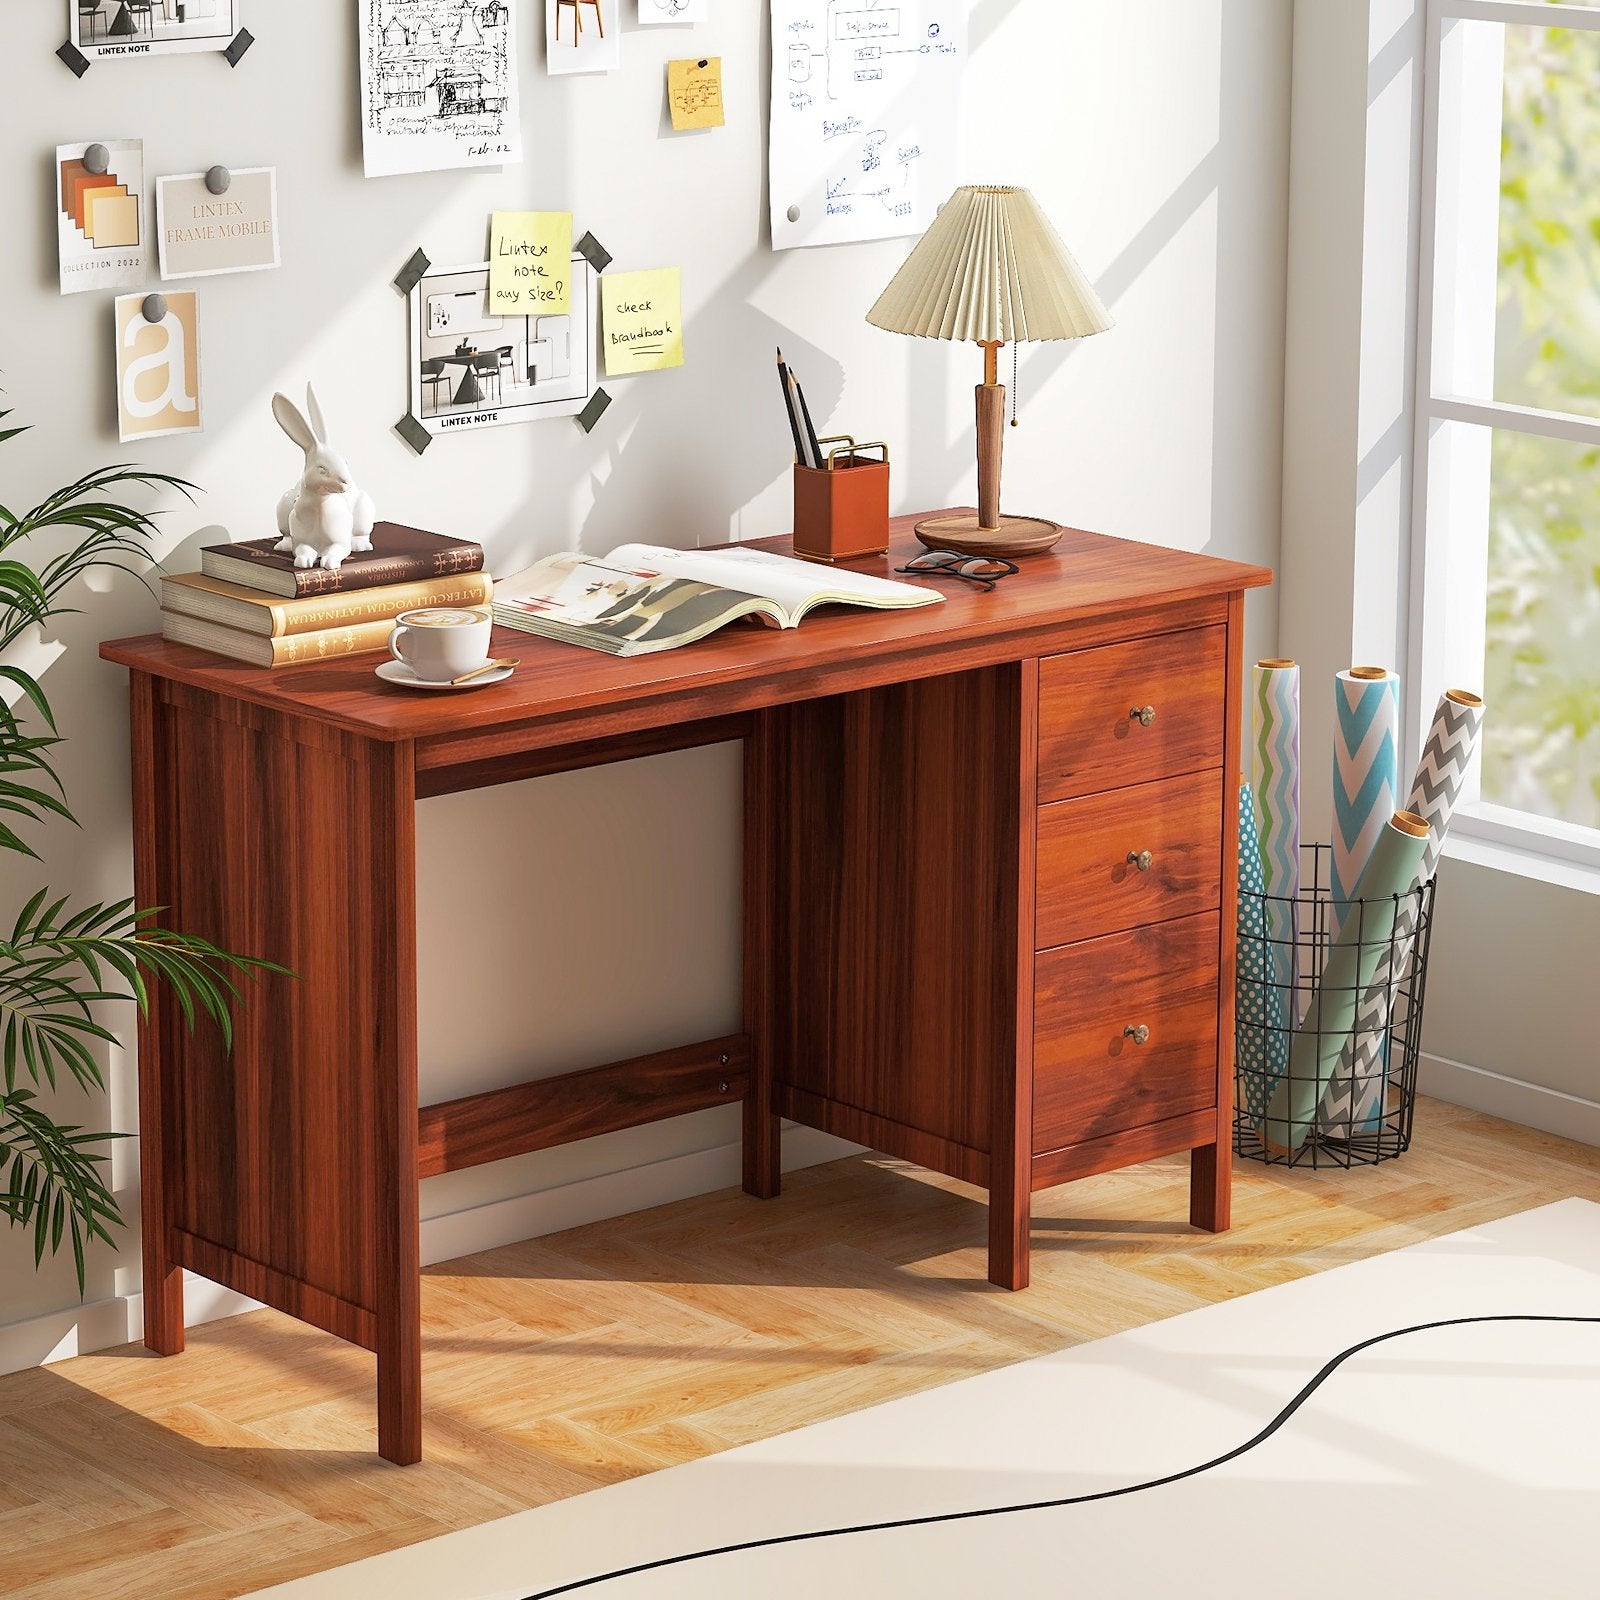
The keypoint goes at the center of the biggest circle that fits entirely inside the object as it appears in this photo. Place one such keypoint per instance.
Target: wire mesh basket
(1329, 1021)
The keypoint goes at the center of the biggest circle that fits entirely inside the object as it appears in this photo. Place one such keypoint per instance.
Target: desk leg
(1211, 1186)
(1211, 1165)
(1011, 1106)
(398, 1226)
(763, 1154)
(163, 1277)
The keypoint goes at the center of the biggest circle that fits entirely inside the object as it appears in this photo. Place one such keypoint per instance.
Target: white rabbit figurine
(324, 516)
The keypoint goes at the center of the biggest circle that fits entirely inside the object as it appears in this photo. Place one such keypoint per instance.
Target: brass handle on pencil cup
(1139, 1034)
(851, 452)
(1142, 859)
(1143, 715)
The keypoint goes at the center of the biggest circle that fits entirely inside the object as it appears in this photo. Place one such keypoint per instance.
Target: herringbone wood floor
(575, 1360)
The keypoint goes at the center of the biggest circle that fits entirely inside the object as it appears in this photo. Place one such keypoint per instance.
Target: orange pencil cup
(841, 511)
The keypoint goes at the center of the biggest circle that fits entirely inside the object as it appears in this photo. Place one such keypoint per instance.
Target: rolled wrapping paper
(1354, 1103)
(1277, 795)
(1365, 777)
(1261, 1038)
(1352, 960)
(1277, 774)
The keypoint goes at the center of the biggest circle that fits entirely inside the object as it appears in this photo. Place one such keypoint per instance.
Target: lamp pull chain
(1014, 422)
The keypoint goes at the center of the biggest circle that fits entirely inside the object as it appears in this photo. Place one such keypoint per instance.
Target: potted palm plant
(64, 968)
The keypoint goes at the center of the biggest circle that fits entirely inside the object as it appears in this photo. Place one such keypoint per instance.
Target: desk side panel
(284, 846)
(893, 904)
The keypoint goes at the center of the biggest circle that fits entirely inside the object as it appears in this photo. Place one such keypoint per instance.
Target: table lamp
(990, 271)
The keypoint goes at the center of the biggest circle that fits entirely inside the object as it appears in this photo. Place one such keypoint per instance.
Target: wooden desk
(950, 947)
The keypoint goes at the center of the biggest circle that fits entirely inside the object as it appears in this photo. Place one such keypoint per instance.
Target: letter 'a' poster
(866, 117)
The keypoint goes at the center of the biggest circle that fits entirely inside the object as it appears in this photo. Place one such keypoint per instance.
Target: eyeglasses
(985, 571)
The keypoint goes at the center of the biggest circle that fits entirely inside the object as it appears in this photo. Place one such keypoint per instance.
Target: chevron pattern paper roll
(1346, 975)
(1365, 735)
(1261, 1042)
(1354, 1102)
(1277, 774)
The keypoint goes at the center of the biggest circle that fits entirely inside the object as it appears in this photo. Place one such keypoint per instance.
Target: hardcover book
(398, 555)
(255, 611)
(284, 650)
(643, 598)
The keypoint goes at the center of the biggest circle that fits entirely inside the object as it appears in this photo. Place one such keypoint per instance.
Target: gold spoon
(488, 666)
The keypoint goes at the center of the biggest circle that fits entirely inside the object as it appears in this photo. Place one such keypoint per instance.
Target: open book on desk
(643, 597)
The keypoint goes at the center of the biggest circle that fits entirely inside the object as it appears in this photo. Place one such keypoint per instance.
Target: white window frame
(1450, 468)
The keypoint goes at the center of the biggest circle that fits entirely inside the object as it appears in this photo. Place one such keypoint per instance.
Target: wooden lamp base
(1015, 536)
(987, 532)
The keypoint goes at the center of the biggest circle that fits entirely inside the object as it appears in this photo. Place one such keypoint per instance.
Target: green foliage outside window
(1542, 668)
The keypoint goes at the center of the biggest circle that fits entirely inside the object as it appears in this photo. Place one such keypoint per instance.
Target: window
(1506, 590)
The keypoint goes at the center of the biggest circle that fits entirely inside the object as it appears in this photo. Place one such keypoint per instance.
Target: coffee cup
(439, 643)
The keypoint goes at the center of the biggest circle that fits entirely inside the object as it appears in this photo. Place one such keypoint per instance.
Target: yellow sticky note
(694, 90)
(530, 263)
(643, 321)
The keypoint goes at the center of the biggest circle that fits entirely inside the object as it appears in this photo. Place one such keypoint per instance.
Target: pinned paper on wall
(201, 234)
(158, 365)
(679, 11)
(582, 36)
(642, 321)
(438, 87)
(866, 117)
(100, 215)
(694, 91)
(114, 28)
(473, 366)
(530, 263)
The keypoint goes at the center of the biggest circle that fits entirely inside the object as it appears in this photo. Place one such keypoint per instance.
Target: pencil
(805, 415)
(789, 410)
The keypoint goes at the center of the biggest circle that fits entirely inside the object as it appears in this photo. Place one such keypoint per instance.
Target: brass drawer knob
(1139, 1034)
(1142, 859)
(1143, 715)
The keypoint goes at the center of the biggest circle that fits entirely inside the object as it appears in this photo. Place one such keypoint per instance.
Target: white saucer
(399, 672)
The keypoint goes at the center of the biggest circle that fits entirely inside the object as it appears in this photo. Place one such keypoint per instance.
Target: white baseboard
(81, 1329)
(1531, 1104)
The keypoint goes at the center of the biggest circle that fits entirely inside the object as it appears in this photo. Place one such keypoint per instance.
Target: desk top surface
(1088, 577)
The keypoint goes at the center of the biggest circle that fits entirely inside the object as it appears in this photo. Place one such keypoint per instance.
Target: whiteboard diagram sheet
(866, 116)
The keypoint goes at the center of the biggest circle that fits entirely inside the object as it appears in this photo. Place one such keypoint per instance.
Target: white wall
(1510, 994)
(1155, 136)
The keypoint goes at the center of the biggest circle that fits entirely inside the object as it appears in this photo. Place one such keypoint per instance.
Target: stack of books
(252, 603)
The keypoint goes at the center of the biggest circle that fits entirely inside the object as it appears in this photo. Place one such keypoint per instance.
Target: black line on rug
(1048, 1505)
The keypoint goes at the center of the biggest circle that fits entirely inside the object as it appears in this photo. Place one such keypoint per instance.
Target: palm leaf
(51, 1180)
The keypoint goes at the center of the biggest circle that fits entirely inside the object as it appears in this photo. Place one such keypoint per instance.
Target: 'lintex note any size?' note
(530, 263)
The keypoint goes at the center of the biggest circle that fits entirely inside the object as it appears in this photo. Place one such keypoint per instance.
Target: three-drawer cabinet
(1127, 962)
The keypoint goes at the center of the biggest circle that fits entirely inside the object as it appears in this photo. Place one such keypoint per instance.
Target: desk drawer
(1087, 884)
(1088, 740)
(1089, 1077)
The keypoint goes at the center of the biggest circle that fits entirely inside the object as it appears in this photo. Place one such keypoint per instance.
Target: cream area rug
(1426, 1423)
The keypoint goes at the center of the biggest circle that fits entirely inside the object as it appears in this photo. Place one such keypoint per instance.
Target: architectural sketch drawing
(866, 116)
(438, 85)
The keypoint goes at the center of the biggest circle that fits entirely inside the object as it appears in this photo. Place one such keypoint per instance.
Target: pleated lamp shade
(991, 268)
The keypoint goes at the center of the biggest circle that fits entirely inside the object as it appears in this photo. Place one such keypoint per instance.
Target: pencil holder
(841, 511)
